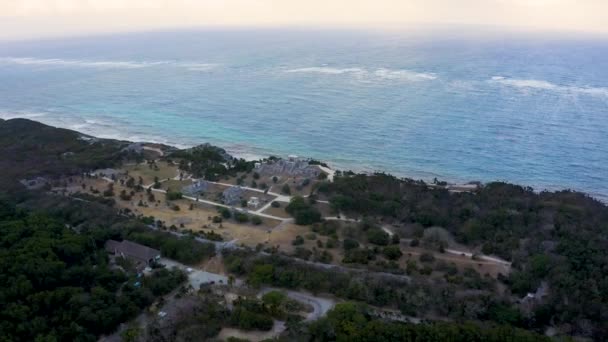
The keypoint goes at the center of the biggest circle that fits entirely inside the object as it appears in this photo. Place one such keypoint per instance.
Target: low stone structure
(109, 173)
(232, 195)
(34, 183)
(197, 187)
(135, 148)
(293, 167)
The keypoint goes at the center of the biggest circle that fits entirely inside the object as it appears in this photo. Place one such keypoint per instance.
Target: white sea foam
(104, 64)
(327, 70)
(198, 66)
(406, 75)
(369, 74)
(16, 115)
(545, 85)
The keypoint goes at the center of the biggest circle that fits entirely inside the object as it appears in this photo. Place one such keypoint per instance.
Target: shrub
(392, 252)
(124, 196)
(256, 220)
(327, 228)
(325, 257)
(359, 256)
(302, 253)
(275, 204)
(426, 270)
(274, 298)
(411, 267)
(307, 216)
(241, 217)
(378, 237)
(173, 195)
(225, 212)
(299, 240)
(349, 244)
(331, 243)
(427, 257)
(303, 213)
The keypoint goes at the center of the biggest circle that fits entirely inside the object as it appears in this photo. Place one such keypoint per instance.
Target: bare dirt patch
(279, 212)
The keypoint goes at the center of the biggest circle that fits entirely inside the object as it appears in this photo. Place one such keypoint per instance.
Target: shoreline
(252, 153)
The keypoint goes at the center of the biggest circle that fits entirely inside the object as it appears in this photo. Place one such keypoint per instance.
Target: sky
(27, 19)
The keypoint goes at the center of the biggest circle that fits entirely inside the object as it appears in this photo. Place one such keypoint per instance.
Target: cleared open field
(148, 173)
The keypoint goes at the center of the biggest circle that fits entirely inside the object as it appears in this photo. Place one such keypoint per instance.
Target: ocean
(527, 109)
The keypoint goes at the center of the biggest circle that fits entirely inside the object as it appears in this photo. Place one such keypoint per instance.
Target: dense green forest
(351, 322)
(57, 284)
(417, 297)
(557, 237)
(29, 149)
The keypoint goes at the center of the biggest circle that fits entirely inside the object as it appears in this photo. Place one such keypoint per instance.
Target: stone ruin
(34, 183)
(232, 196)
(195, 188)
(291, 168)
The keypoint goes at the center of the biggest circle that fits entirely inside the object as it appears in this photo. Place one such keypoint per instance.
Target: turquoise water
(525, 109)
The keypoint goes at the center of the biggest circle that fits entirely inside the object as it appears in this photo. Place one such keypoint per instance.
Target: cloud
(83, 16)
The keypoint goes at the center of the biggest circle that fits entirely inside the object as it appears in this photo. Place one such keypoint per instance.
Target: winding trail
(320, 305)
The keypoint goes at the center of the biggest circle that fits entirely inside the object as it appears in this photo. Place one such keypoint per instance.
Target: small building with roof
(132, 250)
(254, 202)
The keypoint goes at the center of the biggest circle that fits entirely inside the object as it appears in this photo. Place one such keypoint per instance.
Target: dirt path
(320, 305)
(330, 173)
(154, 149)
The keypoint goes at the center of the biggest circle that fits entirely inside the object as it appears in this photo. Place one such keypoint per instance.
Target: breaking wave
(545, 85)
(104, 64)
(327, 70)
(381, 73)
(407, 75)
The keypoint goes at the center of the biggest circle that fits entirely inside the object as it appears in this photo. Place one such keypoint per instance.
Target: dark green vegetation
(208, 161)
(250, 314)
(557, 237)
(352, 322)
(57, 284)
(29, 149)
(415, 297)
(411, 298)
(303, 212)
(173, 195)
(183, 249)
